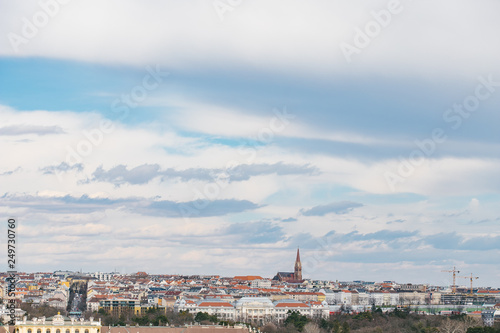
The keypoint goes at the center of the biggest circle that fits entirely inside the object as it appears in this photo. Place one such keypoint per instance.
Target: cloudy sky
(215, 137)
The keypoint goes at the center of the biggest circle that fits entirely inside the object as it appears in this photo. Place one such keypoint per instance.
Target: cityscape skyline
(293, 277)
(205, 138)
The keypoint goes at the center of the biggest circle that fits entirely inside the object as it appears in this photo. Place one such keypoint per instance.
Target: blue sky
(140, 141)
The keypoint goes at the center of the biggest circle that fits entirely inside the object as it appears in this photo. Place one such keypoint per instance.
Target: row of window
(58, 331)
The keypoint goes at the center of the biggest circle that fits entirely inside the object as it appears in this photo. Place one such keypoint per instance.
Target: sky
(217, 136)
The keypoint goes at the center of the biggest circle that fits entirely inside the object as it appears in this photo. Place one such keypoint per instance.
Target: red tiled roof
(291, 305)
(302, 293)
(248, 277)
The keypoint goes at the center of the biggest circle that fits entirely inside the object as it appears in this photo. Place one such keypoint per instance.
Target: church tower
(298, 267)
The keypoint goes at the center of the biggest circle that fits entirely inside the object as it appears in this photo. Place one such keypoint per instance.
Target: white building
(100, 276)
(384, 298)
(343, 297)
(363, 298)
(222, 309)
(263, 284)
(329, 295)
(5, 313)
(259, 310)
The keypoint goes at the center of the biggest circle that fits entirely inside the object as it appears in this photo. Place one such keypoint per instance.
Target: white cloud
(285, 36)
(473, 204)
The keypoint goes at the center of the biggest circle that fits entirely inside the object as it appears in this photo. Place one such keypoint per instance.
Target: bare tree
(458, 326)
(269, 328)
(311, 328)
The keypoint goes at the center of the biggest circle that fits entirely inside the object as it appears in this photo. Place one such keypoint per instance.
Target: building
(222, 309)
(100, 276)
(489, 316)
(263, 283)
(117, 306)
(57, 324)
(297, 274)
(343, 297)
(295, 277)
(257, 310)
(5, 313)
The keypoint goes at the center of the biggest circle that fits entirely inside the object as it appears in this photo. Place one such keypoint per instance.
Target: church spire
(298, 267)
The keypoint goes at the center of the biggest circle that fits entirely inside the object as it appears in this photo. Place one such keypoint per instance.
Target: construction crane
(454, 271)
(472, 278)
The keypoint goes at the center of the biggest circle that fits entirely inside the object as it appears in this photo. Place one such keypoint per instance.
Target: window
(77, 331)
(86, 331)
(29, 330)
(67, 331)
(48, 330)
(39, 330)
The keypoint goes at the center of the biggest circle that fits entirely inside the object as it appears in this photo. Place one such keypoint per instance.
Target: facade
(262, 283)
(259, 310)
(222, 309)
(100, 276)
(5, 313)
(343, 297)
(413, 298)
(118, 306)
(488, 316)
(57, 324)
(385, 298)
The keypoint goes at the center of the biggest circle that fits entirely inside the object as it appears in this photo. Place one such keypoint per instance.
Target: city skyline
(218, 136)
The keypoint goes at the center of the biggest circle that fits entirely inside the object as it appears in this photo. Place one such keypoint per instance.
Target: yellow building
(57, 324)
(117, 306)
(64, 283)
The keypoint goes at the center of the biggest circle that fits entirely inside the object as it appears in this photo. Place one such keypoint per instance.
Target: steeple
(298, 267)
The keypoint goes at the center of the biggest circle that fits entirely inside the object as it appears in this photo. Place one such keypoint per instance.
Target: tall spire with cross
(298, 267)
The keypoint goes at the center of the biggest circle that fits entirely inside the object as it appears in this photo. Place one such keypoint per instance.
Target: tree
(461, 325)
(482, 330)
(204, 316)
(346, 328)
(337, 328)
(180, 318)
(269, 328)
(311, 328)
(39, 311)
(296, 319)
